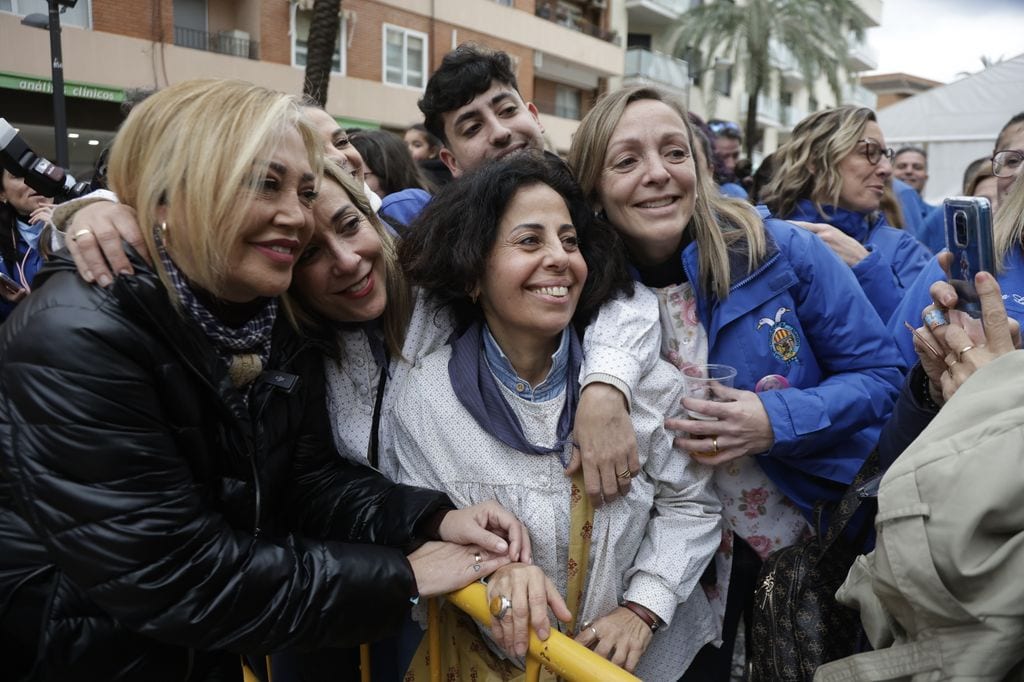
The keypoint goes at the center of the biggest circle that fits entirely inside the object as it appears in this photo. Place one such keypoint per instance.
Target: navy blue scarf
(478, 391)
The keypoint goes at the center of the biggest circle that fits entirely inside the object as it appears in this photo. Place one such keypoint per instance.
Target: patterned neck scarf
(245, 349)
(478, 391)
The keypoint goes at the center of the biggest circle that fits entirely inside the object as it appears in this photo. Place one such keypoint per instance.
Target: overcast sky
(938, 39)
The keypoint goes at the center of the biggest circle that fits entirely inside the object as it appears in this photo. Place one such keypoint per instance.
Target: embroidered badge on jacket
(784, 339)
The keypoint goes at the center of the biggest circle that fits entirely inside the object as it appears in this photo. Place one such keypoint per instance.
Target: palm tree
(814, 31)
(320, 46)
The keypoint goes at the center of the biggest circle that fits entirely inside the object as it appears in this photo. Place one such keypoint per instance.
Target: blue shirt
(553, 384)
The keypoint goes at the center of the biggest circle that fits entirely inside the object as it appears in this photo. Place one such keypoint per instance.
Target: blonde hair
(717, 222)
(194, 150)
(1008, 228)
(397, 311)
(807, 165)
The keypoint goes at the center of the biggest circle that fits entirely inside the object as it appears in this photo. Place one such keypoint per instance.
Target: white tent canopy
(956, 123)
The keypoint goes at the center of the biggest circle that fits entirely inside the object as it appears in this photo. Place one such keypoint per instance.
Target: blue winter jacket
(911, 205)
(894, 260)
(801, 315)
(32, 263)
(1011, 281)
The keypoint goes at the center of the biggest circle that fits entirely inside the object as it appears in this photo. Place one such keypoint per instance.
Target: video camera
(44, 177)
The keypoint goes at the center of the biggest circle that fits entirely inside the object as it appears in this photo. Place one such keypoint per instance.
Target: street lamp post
(52, 24)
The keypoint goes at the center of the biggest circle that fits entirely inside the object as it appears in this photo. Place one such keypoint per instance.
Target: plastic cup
(700, 382)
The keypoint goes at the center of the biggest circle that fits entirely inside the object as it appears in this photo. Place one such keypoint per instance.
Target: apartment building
(712, 85)
(566, 52)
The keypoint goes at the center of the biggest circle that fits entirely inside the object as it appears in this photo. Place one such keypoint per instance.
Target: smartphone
(969, 239)
(9, 284)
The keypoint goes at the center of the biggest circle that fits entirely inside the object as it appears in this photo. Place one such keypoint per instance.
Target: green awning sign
(13, 81)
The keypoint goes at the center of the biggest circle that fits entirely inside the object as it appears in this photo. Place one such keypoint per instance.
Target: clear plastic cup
(701, 382)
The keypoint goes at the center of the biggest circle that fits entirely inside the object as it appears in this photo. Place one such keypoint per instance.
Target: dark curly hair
(465, 72)
(446, 249)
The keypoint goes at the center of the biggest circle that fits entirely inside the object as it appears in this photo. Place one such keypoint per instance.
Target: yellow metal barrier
(567, 658)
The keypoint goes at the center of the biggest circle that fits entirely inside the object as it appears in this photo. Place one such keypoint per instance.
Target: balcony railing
(226, 42)
(552, 12)
(656, 67)
(859, 95)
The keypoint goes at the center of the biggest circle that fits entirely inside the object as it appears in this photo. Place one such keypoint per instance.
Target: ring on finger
(477, 558)
(935, 318)
(960, 353)
(625, 474)
(80, 233)
(500, 605)
(714, 444)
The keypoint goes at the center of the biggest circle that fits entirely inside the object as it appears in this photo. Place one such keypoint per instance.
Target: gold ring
(477, 558)
(714, 444)
(960, 353)
(624, 474)
(80, 233)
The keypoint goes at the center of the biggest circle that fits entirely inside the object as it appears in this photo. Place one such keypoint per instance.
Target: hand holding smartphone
(9, 285)
(969, 240)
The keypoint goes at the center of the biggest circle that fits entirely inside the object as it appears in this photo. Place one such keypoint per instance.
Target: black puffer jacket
(151, 521)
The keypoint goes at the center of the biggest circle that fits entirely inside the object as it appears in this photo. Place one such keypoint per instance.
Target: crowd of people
(282, 380)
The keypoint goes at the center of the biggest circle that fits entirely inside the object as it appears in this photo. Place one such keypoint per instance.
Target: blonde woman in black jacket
(169, 495)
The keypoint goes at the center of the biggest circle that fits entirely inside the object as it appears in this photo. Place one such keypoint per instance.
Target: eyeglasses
(874, 152)
(1006, 163)
(718, 127)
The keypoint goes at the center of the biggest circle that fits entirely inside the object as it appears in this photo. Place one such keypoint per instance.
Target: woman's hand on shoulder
(94, 237)
(740, 427)
(621, 637)
(443, 567)
(521, 594)
(843, 245)
(489, 525)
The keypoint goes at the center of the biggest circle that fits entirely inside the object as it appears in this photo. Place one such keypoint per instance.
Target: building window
(506, 3)
(74, 16)
(567, 102)
(301, 19)
(405, 56)
(723, 80)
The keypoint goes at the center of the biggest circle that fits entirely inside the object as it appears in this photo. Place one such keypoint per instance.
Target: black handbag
(797, 624)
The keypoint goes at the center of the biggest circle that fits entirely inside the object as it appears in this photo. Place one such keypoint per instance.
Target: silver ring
(593, 631)
(500, 605)
(80, 233)
(476, 568)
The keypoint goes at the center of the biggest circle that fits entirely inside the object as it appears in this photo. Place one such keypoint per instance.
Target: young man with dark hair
(473, 104)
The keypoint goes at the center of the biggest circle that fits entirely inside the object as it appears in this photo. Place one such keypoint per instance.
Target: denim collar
(551, 387)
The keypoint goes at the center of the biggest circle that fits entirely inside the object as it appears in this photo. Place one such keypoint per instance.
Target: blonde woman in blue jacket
(817, 375)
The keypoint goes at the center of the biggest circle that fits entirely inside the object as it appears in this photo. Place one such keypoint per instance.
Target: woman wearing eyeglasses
(830, 179)
(1008, 232)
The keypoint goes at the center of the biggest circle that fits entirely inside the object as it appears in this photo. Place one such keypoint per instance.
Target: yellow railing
(565, 657)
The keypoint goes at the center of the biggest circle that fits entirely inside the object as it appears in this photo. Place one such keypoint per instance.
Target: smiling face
(278, 224)
(341, 273)
(648, 183)
(535, 272)
(912, 168)
(336, 143)
(494, 124)
(22, 198)
(863, 183)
